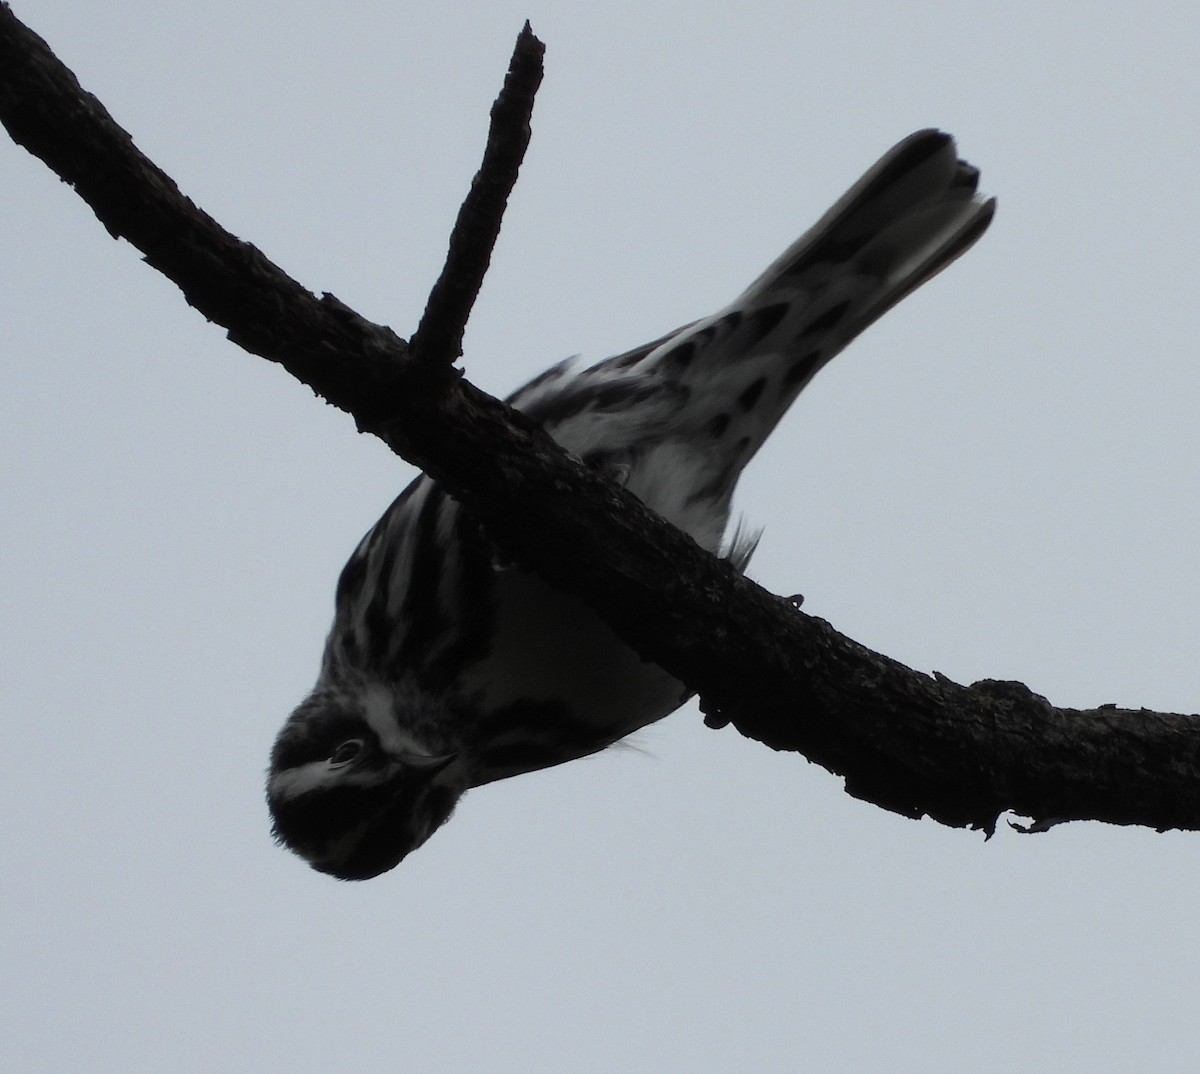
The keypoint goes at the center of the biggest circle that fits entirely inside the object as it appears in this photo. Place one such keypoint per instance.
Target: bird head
(350, 791)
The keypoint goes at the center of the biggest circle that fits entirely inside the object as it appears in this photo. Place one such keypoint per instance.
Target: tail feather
(904, 221)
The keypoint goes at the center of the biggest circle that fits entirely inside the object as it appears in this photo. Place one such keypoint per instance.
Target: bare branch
(439, 336)
(909, 742)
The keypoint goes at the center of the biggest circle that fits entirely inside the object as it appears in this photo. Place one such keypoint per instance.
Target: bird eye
(346, 752)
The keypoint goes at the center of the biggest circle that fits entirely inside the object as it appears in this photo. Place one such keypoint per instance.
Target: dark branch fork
(912, 743)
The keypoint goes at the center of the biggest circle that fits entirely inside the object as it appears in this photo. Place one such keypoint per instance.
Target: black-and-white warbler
(446, 668)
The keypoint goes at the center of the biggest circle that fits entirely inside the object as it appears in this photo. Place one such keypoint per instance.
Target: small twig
(439, 336)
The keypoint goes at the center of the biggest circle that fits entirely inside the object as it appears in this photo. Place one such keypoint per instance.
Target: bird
(449, 666)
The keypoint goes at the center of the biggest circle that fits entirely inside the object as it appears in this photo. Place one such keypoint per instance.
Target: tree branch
(906, 741)
(439, 336)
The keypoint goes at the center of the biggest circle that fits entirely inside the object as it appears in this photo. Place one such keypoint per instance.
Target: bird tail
(903, 222)
(910, 216)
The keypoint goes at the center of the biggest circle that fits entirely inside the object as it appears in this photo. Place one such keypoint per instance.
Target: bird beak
(428, 766)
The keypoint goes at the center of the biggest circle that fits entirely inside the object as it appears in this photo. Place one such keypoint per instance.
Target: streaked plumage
(446, 668)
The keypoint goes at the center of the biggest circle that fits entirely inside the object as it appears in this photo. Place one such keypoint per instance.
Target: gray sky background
(999, 480)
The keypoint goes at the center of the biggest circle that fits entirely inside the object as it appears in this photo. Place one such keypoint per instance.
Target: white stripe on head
(379, 711)
(294, 782)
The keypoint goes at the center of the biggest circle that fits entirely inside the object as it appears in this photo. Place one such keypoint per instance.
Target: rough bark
(909, 742)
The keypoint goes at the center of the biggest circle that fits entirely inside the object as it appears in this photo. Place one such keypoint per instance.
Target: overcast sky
(999, 480)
